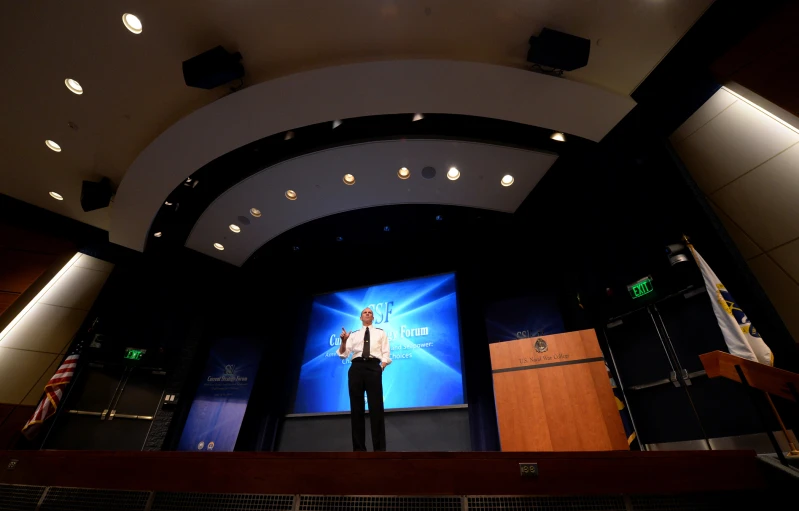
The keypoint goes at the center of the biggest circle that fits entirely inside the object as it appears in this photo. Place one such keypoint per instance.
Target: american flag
(53, 392)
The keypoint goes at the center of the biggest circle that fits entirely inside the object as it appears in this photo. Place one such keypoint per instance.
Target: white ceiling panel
(737, 140)
(317, 180)
(746, 246)
(765, 202)
(787, 256)
(717, 103)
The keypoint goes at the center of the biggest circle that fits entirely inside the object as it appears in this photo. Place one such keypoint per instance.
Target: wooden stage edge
(391, 473)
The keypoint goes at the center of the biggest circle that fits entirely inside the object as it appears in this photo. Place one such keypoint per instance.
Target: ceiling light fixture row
(132, 23)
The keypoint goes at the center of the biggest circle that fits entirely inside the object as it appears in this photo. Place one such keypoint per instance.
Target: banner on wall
(523, 317)
(223, 393)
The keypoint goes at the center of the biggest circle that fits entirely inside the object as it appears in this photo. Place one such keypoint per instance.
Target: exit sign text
(641, 288)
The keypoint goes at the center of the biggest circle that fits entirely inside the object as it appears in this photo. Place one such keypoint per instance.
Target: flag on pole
(739, 334)
(53, 393)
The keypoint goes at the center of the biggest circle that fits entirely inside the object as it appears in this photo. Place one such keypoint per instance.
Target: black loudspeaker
(95, 195)
(213, 68)
(558, 50)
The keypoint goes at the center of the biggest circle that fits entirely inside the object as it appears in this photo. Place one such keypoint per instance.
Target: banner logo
(230, 369)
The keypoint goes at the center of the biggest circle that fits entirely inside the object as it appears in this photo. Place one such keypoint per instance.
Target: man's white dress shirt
(378, 345)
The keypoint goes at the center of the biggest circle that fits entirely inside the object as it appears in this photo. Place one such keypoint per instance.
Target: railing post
(754, 395)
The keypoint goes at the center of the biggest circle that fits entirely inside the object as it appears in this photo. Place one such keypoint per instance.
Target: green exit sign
(134, 354)
(641, 288)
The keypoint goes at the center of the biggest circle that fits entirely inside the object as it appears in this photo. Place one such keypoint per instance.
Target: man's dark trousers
(367, 375)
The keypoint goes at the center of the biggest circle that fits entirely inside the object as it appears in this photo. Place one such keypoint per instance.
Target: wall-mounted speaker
(95, 195)
(213, 68)
(559, 50)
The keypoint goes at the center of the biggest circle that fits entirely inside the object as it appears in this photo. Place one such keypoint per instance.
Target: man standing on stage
(370, 356)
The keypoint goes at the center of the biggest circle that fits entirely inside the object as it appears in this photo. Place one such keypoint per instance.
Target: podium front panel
(553, 393)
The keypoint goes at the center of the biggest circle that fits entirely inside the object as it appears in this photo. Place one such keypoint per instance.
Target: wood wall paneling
(767, 60)
(19, 269)
(6, 299)
(25, 255)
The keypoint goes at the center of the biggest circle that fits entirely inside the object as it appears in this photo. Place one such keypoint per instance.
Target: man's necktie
(366, 343)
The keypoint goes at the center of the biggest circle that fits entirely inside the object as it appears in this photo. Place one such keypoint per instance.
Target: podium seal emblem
(540, 345)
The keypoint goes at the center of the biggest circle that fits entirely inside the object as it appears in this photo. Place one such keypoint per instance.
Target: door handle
(85, 412)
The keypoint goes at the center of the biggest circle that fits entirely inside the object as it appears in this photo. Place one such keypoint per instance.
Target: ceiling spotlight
(558, 136)
(417, 117)
(52, 145)
(291, 195)
(349, 179)
(158, 234)
(219, 246)
(507, 180)
(339, 238)
(73, 86)
(336, 123)
(403, 173)
(255, 212)
(386, 228)
(235, 228)
(132, 23)
(453, 174)
(167, 203)
(56, 196)
(289, 135)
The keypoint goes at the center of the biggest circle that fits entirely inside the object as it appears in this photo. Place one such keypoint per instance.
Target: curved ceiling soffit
(316, 180)
(356, 90)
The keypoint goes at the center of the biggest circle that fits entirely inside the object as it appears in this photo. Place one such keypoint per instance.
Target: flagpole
(792, 448)
(793, 451)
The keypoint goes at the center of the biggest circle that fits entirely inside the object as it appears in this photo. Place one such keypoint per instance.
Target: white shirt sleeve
(385, 356)
(348, 349)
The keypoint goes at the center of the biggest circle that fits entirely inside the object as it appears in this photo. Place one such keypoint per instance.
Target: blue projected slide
(420, 317)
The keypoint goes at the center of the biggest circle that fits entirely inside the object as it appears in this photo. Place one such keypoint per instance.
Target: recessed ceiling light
(235, 228)
(255, 212)
(291, 195)
(289, 135)
(158, 234)
(453, 174)
(336, 123)
(219, 246)
(349, 179)
(386, 228)
(167, 203)
(52, 145)
(73, 86)
(507, 180)
(403, 173)
(56, 196)
(417, 117)
(132, 23)
(558, 136)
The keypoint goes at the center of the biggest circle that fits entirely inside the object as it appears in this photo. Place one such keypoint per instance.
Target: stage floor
(389, 473)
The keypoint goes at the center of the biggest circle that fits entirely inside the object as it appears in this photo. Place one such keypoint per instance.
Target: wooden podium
(553, 393)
